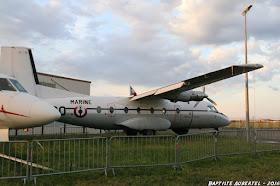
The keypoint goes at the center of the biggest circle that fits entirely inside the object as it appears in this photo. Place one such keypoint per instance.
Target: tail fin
(132, 92)
(18, 62)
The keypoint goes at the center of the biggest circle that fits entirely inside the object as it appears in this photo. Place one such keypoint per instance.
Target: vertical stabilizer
(18, 62)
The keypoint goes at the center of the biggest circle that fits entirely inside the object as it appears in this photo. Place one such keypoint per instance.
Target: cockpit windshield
(6, 85)
(18, 85)
(211, 108)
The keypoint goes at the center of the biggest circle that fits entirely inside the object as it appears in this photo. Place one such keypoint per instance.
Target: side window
(98, 109)
(18, 85)
(111, 109)
(62, 111)
(138, 110)
(177, 111)
(6, 85)
(125, 110)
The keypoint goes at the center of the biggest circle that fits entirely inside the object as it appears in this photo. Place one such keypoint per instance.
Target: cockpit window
(6, 85)
(211, 108)
(18, 85)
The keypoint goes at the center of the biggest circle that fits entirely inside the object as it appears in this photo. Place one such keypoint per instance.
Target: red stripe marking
(5, 112)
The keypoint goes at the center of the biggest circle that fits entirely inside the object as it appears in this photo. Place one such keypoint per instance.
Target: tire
(149, 132)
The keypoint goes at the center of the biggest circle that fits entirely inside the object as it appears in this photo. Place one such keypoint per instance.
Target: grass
(262, 167)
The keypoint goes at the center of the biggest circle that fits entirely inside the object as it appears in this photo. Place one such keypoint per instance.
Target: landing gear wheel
(181, 131)
(149, 132)
(131, 132)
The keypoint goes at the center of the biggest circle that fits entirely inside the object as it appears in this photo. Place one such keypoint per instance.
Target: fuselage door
(111, 110)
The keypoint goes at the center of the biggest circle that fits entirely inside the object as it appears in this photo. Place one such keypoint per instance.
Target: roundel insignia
(80, 111)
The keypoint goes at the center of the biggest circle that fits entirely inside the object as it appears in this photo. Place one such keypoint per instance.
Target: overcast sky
(153, 43)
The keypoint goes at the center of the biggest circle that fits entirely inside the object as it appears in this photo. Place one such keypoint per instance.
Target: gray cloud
(28, 20)
(219, 22)
(139, 42)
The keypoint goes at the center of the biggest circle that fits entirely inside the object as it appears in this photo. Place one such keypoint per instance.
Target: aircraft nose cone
(43, 113)
(225, 121)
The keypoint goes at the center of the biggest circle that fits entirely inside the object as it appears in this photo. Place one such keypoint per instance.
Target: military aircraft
(175, 107)
(20, 109)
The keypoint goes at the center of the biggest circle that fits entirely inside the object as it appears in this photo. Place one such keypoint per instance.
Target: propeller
(205, 96)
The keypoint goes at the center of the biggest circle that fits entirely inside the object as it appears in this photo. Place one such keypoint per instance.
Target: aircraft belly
(142, 123)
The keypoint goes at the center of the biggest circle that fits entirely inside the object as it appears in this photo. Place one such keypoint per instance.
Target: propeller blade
(211, 101)
(196, 104)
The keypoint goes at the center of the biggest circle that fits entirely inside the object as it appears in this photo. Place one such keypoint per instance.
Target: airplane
(20, 109)
(175, 106)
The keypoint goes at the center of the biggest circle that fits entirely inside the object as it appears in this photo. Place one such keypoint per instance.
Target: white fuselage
(111, 113)
(22, 110)
(19, 109)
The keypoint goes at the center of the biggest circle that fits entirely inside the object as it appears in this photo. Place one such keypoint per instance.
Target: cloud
(274, 88)
(27, 20)
(147, 44)
(219, 22)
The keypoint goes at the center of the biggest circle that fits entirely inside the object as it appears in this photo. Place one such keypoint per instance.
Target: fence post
(215, 134)
(31, 161)
(255, 141)
(176, 152)
(107, 156)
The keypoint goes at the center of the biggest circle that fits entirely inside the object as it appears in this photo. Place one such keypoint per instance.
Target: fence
(193, 147)
(139, 151)
(267, 140)
(14, 160)
(233, 142)
(60, 156)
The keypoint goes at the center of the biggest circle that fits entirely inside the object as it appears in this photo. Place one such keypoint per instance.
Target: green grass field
(262, 167)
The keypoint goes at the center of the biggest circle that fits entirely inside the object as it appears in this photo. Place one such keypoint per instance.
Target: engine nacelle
(187, 96)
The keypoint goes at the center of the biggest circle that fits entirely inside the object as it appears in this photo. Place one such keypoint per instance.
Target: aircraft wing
(199, 81)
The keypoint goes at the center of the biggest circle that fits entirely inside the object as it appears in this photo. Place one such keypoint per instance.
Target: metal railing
(193, 147)
(60, 156)
(14, 160)
(139, 151)
(233, 142)
(267, 140)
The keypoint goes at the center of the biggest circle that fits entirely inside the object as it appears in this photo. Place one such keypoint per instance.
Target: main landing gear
(149, 132)
(131, 132)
